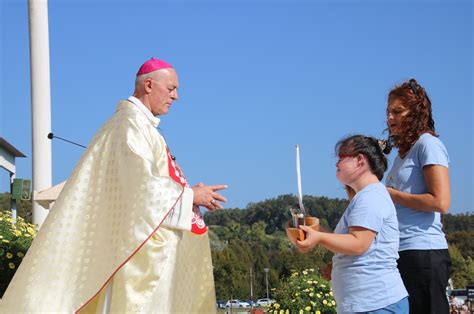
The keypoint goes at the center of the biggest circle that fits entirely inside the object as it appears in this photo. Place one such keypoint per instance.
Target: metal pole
(40, 101)
(12, 201)
(251, 288)
(266, 279)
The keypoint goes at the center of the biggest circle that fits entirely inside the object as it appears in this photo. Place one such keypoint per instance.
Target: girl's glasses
(341, 157)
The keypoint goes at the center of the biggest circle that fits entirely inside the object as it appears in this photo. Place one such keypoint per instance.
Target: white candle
(298, 175)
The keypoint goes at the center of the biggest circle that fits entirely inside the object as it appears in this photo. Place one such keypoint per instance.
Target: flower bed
(15, 239)
(303, 292)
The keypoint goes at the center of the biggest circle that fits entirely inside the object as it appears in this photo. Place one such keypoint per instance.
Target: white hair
(156, 75)
(141, 78)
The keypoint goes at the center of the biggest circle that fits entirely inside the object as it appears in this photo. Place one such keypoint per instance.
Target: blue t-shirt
(369, 281)
(418, 230)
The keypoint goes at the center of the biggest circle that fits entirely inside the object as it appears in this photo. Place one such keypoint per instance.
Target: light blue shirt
(418, 230)
(369, 281)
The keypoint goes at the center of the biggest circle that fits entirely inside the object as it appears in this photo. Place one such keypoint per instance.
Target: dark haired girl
(365, 278)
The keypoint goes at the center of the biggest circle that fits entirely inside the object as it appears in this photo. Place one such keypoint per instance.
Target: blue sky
(256, 78)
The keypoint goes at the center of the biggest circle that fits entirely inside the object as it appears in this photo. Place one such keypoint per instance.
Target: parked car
(236, 303)
(264, 301)
(220, 304)
(251, 303)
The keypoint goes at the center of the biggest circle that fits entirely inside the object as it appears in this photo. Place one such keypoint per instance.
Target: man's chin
(162, 112)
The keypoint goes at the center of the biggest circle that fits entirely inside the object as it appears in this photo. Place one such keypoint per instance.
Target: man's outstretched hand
(206, 195)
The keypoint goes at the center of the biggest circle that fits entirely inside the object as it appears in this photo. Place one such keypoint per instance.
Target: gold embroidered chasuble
(119, 219)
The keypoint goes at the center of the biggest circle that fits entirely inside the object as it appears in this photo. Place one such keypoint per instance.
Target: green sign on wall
(21, 189)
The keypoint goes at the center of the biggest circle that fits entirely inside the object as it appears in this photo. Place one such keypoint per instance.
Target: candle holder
(298, 216)
(294, 233)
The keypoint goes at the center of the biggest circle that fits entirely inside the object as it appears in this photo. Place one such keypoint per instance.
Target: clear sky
(256, 78)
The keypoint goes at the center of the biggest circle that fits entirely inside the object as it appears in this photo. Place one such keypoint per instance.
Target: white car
(264, 301)
(236, 303)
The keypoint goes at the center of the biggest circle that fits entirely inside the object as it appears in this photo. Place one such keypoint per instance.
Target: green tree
(462, 269)
(459, 222)
(464, 242)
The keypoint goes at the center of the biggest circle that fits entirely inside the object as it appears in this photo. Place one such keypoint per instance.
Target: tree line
(250, 248)
(254, 238)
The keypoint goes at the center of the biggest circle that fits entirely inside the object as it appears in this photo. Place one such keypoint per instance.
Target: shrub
(303, 292)
(15, 239)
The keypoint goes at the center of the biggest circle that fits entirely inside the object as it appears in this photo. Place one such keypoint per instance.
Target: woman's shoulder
(427, 139)
(430, 150)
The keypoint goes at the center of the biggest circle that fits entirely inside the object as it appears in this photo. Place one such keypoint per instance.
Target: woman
(365, 278)
(419, 186)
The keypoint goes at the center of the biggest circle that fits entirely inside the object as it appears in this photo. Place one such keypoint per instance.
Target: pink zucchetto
(153, 65)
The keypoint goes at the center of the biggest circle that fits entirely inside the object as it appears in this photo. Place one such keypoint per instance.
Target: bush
(303, 292)
(15, 239)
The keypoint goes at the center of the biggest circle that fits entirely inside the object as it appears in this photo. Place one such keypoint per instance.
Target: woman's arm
(356, 242)
(438, 198)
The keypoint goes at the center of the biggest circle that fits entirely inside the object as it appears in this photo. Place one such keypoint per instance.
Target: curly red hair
(419, 119)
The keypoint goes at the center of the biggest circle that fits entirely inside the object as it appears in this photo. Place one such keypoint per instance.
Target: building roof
(10, 148)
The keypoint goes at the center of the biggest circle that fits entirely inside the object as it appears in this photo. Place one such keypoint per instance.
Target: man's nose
(174, 95)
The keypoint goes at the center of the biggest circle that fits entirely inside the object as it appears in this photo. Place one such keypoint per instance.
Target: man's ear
(147, 85)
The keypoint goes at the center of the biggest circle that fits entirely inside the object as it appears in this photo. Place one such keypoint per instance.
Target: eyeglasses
(341, 157)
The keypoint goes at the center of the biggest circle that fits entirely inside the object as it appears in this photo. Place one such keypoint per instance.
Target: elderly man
(125, 234)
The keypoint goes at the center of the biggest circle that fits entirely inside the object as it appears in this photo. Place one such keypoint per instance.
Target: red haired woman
(418, 184)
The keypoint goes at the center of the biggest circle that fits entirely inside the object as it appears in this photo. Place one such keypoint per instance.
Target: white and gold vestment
(121, 218)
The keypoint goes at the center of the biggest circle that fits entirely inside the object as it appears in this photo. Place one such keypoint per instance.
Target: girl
(365, 278)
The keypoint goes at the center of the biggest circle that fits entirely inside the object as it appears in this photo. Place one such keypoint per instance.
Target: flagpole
(40, 102)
